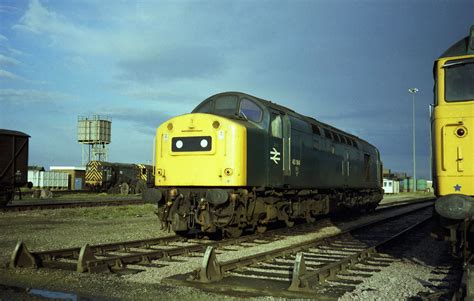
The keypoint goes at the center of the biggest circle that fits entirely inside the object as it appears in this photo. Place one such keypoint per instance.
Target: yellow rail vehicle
(194, 140)
(453, 130)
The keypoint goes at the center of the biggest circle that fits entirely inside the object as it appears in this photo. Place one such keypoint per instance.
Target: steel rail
(88, 262)
(212, 270)
(302, 278)
(21, 257)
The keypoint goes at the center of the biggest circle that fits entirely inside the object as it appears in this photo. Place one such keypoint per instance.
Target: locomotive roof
(5, 132)
(278, 107)
(462, 47)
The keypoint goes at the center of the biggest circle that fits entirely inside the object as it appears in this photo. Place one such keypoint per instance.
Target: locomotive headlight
(170, 126)
(204, 143)
(179, 144)
(461, 132)
(216, 124)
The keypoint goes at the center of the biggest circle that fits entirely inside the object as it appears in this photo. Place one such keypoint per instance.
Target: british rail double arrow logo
(275, 155)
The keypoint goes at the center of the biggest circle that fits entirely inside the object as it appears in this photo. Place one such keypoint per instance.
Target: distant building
(391, 186)
(77, 175)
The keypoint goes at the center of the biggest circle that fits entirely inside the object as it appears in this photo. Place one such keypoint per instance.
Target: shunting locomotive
(118, 177)
(238, 163)
(452, 124)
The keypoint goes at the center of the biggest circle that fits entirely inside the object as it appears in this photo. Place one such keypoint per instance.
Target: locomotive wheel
(124, 189)
(232, 232)
(261, 229)
(140, 186)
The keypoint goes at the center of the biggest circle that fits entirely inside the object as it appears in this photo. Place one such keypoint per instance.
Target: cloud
(63, 33)
(3, 38)
(143, 121)
(39, 19)
(149, 119)
(5, 60)
(8, 9)
(8, 75)
(16, 96)
(182, 62)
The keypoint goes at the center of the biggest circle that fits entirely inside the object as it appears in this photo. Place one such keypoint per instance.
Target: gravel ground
(49, 229)
(420, 268)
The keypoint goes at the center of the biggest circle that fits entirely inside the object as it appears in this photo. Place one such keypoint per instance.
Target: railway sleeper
(302, 278)
(22, 258)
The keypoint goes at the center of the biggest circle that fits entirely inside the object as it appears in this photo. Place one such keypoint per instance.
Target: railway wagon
(238, 163)
(452, 128)
(118, 177)
(13, 163)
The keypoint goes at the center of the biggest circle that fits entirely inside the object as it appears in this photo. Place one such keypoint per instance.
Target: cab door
(278, 149)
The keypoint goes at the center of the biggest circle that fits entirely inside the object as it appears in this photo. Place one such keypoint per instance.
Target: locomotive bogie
(233, 211)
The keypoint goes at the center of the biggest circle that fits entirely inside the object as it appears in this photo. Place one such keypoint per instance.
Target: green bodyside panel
(257, 146)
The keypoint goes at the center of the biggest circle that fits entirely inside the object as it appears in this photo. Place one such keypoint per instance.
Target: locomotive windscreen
(459, 76)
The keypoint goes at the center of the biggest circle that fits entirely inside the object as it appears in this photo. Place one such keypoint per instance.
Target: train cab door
(279, 148)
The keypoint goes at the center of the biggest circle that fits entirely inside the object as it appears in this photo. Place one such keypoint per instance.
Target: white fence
(48, 179)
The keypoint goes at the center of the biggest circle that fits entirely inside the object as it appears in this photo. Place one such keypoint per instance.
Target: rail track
(117, 257)
(42, 205)
(68, 204)
(300, 270)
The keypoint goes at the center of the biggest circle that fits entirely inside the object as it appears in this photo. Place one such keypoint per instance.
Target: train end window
(226, 105)
(251, 110)
(204, 108)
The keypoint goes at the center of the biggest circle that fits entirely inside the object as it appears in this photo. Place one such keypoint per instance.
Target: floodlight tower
(413, 91)
(94, 133)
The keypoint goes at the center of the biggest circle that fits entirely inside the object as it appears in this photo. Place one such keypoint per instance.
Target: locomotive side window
(316, 130)
(276, 125)
(251, 110)
(328, 134)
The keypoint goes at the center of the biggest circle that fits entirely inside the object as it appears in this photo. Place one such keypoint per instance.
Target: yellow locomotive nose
(193, 148)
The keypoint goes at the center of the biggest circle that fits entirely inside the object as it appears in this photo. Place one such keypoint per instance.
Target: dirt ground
(49, 229)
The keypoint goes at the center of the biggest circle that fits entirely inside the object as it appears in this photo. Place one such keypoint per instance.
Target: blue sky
(346, 63)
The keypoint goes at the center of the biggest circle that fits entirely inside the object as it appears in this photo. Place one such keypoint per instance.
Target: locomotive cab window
(276, 125)
(250, 110)
(459, 80)
(204, 108)
(226, 105)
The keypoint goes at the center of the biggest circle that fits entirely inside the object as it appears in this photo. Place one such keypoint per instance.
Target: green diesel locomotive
(238, 162)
